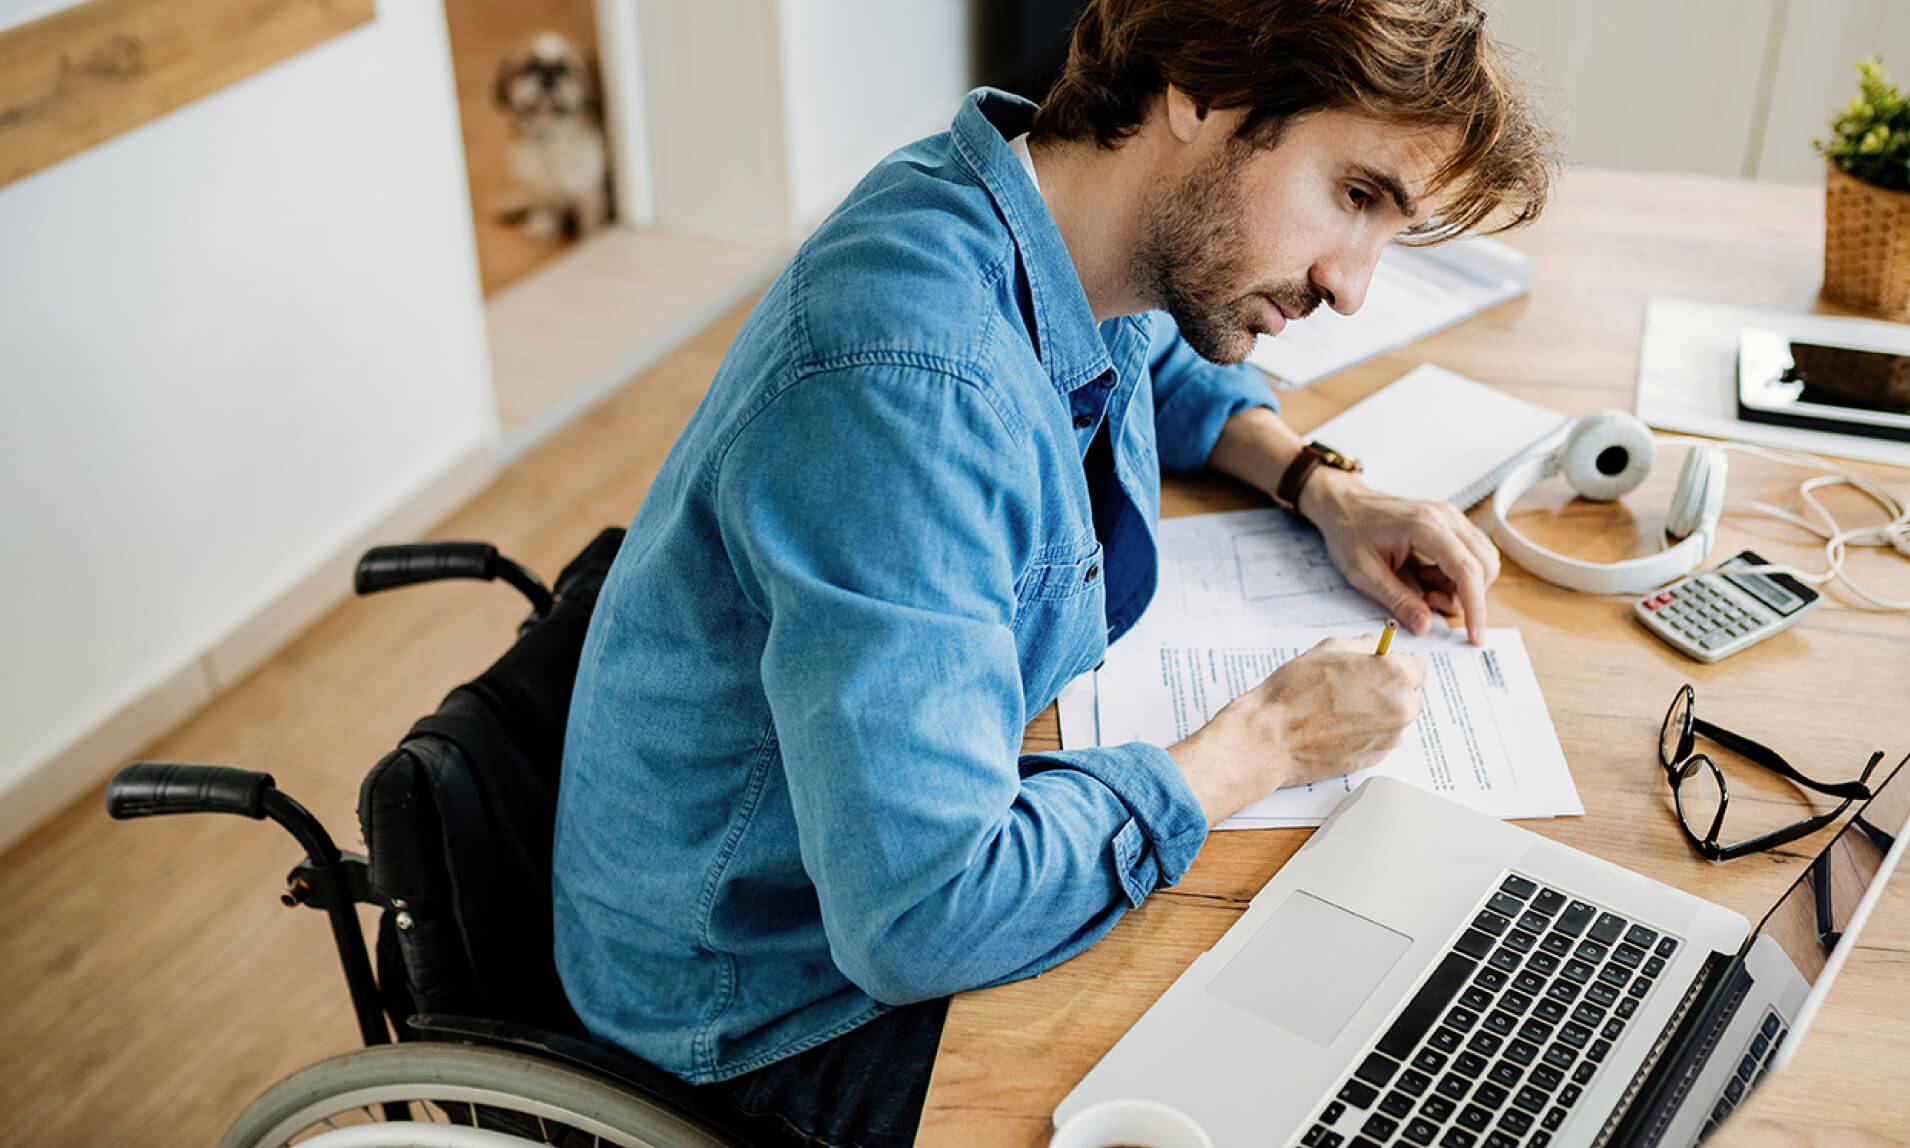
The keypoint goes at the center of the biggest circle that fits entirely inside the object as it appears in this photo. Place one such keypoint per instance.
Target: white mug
(1130, 1124)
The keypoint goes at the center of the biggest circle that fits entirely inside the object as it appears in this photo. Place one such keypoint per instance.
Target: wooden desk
(1825, 693)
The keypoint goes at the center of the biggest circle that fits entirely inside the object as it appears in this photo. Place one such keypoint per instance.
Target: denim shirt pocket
(1060, 622)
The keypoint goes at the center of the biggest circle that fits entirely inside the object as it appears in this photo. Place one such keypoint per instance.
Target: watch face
(1333, 458)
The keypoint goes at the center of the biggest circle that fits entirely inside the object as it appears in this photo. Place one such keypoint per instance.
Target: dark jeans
(863, 1089)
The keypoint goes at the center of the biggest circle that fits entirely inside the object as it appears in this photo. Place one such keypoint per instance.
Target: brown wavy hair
(1419, 63)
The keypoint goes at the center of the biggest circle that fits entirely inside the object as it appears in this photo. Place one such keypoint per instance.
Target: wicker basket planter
(1866, 245)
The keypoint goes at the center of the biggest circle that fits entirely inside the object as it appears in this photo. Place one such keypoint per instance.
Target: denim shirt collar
(1067, 339)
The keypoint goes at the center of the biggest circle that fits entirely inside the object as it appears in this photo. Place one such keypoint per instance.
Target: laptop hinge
(1662, 1081)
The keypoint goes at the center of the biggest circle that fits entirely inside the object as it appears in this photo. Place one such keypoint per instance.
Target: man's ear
(1184, 117)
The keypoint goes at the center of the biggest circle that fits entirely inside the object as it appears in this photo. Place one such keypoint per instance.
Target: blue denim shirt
(791, 793)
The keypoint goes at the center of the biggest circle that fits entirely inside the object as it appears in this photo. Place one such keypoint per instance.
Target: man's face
(1249, 239)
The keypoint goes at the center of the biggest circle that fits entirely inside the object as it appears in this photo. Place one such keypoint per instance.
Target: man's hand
(1411, 557)
(1337, 708)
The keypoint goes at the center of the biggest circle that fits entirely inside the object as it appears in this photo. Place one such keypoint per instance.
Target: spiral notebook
(1439, 436)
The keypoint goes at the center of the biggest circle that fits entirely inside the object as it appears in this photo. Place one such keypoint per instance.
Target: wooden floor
(154, 982)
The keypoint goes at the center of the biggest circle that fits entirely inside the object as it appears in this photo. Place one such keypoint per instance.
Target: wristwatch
(1312, 455)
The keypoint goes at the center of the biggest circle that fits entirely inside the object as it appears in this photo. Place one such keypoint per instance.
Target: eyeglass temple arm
(1782, 836)
(1802, 828)
(1768, 758)
(1827, 934)
(1883, 839)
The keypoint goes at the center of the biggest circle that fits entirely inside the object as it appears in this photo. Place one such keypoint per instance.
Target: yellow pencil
(1386, 636)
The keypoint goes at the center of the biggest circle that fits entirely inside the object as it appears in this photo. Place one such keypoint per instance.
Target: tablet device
(1823, 386)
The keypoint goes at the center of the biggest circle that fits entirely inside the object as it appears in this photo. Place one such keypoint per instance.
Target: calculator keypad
(1708, 617)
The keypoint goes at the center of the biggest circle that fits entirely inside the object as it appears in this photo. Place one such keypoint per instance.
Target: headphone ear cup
(1699, 499)
(1607, 455)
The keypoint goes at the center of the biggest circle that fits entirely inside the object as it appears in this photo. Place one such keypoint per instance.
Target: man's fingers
(1404, 600)
(1439, 588)
(1482, 547)
(1476, 541)
(1465, 578)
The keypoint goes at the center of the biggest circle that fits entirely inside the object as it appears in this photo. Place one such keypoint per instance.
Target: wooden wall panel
(86, 74)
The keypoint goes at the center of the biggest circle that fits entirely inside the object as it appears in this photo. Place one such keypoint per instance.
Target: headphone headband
(1695, 508)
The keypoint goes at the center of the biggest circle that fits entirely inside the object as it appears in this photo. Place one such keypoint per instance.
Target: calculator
(1710, 615)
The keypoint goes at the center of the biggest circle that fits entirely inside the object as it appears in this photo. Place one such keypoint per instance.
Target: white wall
(1721, 87)
(861, 78)
(231, 342)
(713, 96)
(764, 113)
(1813, 78)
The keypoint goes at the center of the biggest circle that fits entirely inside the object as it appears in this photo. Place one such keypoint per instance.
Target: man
(921, 495)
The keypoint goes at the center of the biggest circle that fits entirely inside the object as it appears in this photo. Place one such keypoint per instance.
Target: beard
(1190, 261)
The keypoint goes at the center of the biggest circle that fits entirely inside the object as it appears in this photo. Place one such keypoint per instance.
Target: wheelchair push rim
(550, 1101)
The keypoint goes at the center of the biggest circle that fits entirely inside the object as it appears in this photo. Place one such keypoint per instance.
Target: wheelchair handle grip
(407, 564)
(150, 788)
(388, 567)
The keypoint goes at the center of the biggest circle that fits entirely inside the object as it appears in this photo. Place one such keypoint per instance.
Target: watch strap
(1287, 493)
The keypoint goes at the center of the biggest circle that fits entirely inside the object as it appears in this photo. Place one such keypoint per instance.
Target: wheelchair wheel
(456, 1096)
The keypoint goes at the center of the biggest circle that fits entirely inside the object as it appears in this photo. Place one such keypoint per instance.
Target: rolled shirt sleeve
(1194, 398)
(888, 572)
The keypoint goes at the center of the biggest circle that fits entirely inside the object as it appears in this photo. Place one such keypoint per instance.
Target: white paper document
(1415, 291)
(1255, 564)
(1483, 738)
(1252, 583)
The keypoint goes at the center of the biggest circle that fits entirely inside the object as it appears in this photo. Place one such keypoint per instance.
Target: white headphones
(1605, 457)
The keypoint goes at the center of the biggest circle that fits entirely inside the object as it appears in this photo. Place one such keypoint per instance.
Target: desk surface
(1825, 693)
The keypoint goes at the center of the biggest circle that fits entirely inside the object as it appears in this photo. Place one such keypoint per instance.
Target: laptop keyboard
(1752, 1066)
(1503, 1038)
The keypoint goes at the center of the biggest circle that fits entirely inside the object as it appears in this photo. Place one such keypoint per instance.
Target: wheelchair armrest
(149, 788)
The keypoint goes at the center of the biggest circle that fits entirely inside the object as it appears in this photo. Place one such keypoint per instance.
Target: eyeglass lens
(1674, 740)
(1700, 796)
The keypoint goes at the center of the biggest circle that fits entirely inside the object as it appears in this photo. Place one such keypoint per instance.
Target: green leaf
(1870, 136)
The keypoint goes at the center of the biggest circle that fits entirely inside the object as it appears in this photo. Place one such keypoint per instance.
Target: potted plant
(1867, 198)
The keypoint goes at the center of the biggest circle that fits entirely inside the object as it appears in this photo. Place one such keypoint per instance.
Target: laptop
(1421, 974)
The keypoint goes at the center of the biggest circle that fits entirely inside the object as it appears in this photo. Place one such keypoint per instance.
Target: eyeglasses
(1699, 791)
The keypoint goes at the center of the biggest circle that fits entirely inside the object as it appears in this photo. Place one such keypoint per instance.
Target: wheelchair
(457, 824)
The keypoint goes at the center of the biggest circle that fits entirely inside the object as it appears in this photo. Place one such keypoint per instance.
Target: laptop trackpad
(1310, 967)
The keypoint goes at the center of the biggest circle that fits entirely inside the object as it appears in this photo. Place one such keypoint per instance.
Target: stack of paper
(1415, 291)
(1483, 737)
(1240, 593)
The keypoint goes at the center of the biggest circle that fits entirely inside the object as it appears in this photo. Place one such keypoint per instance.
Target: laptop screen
(1784, 971)
(1809, 920)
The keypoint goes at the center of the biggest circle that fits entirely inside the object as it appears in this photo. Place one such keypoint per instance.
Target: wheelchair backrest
(458, 823)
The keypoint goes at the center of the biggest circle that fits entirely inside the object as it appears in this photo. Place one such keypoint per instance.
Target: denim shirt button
(1093, 573)
(1083, 422)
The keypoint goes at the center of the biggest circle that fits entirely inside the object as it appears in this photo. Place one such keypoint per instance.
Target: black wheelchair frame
(457, 823)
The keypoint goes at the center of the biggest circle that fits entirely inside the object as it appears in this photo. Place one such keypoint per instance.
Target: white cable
(1894, 533)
